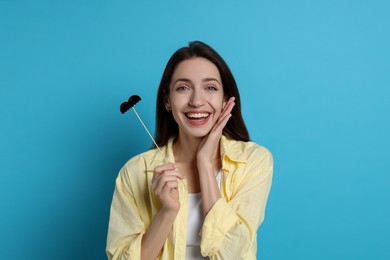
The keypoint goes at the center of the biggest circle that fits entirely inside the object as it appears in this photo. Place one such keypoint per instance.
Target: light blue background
(314, 79)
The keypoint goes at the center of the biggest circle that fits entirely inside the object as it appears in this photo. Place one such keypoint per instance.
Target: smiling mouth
(195, 116)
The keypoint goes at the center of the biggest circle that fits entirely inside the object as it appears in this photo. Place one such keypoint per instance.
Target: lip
(201, 120)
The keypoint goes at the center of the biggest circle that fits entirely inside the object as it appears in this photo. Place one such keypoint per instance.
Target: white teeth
(197, 115)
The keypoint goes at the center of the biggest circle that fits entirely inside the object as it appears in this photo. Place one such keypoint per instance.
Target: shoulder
(134, 174)
(251, 161)
(135, 169)
(245, 151)
(140, 161)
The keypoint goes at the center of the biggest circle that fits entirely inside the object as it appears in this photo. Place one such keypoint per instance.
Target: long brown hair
(166, 126)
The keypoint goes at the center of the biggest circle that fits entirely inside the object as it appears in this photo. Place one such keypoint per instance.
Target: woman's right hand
(165, 187)
(164, 184)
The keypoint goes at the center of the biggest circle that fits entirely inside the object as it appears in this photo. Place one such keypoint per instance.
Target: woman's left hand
(208, 148)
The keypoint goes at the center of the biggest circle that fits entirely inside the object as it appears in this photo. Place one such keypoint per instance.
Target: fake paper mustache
(125, 106)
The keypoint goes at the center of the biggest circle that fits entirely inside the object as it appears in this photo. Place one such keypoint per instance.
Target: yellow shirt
(229, 229)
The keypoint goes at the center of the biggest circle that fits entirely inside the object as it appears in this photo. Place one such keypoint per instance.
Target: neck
(185, 148)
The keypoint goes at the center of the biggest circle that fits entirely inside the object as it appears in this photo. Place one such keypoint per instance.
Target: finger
(228, 107)
(160, 169)
(165, 167)
(170, 185)
(174, 172)
(218, 127)
(169, 189)
(228, 104)
(166, 176)
(226, 112)
(160, 182)
(230, 100)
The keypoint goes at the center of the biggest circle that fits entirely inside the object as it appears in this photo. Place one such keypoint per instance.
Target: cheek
(176, 112)
(219, 104)
(218, 110)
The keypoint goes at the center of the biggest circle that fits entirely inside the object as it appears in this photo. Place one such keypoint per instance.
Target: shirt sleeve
(230, 228)
(125, 229)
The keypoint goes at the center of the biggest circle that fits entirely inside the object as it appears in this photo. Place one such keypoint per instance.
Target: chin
(197, 133)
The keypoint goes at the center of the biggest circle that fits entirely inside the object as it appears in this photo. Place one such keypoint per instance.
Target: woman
(204, 196)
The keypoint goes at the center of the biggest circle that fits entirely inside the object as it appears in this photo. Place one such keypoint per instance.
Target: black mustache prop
(134, 99)
(125, 106)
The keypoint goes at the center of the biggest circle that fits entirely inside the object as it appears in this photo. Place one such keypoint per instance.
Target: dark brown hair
(166, 126)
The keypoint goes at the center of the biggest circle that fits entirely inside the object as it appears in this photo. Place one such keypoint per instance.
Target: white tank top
(195, 222)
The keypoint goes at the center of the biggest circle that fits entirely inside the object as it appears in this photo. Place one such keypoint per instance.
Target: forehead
(196, 68)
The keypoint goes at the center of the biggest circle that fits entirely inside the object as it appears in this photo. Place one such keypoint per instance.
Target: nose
(196, 99)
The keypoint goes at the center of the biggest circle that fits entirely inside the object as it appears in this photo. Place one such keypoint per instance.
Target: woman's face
(196, 96)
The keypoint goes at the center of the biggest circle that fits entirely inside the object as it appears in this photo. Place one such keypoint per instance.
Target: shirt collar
(232, 150)
(166, 156)
(229, 149)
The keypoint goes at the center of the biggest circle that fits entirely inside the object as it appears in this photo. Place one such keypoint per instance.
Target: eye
(181, 88)
(211, 88)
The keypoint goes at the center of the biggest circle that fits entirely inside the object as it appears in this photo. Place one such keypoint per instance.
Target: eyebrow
(211, 79)
(203, 80)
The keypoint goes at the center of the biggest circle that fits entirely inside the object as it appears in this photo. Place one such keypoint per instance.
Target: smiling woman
(195, 97)
(209, 201)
